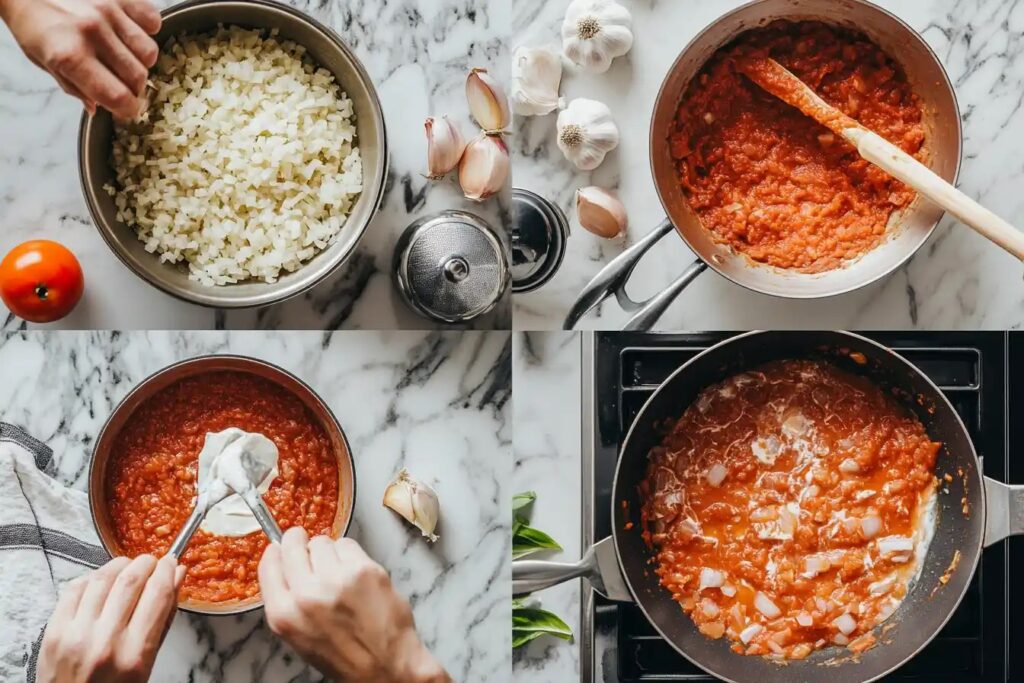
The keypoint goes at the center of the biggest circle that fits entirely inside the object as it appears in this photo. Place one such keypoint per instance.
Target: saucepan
(201, 365)
(907, 230)
(620, 566)
(328, 50)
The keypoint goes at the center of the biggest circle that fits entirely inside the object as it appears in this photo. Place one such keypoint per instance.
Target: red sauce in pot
(151, 478)
(774, 184)
(783, 508)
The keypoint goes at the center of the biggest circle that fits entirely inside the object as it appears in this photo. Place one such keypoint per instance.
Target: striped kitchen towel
(46, 539)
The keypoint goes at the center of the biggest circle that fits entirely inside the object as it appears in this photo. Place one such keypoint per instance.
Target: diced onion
(711, 578)
(804, 619)
(765, 606)
(896, 545)
(815, 564)
(728, 590)
(845, 623)
(821, 604)
(716, 475)
(882, 586)
(840, 639)
(709, 608)
(775, 647)
(849, 466)
(750, 632)
(871, 526)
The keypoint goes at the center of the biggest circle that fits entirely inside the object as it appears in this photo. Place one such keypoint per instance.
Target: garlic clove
(600, 212)
(414, 501)
(595, 32)
(586, 133)
(483, 171)
(536, 75)
(445, 145)
(487, 101)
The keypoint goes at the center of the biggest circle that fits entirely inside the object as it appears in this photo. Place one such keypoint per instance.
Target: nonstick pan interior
(929, 604)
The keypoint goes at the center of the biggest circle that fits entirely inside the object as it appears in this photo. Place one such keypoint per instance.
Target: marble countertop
(957, 280)
(418, 56)
(547, 416)
(437, 403)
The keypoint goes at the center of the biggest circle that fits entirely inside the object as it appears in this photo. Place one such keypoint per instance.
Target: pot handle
(599, 565)
(1004, 511)
(612, 279)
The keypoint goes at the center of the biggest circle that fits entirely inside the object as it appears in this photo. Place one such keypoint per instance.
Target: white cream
(220, 464)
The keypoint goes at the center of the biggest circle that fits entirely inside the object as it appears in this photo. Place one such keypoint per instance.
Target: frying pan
(620, 565)
(908, 229)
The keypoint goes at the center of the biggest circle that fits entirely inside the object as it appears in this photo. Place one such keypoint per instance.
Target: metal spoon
(254, 500)
(208, 496)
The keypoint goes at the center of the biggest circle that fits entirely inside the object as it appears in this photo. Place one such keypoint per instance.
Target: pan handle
(599, 565)
(1004, 511)
(612, 279)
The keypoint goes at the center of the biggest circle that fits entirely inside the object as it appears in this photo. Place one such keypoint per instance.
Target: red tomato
(40, 281)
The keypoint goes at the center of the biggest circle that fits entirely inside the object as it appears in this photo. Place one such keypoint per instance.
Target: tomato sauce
(772, 183)
(151, 478)
(789, 508)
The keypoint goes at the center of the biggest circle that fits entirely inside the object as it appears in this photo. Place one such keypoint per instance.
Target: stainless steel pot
(162, 379)
(908, 230)
(619, 566)
(328, 50)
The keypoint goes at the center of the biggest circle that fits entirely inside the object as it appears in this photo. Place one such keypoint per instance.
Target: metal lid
(539, 233)
(451, 267)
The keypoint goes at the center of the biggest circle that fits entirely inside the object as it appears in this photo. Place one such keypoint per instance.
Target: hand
(100, 51)
(337, 608)
(108, 625)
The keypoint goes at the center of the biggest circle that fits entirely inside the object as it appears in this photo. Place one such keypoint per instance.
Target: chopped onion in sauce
(709, 608)
(871, 525)
(849, 466)
(765, 606)
(711, 578)
(804, 619)
(750, 632)
(900, 548)
(716, 474)
(845, 623)
(840, 639)
(728, 590)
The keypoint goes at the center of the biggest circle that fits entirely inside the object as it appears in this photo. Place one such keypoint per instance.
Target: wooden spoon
(780, 82)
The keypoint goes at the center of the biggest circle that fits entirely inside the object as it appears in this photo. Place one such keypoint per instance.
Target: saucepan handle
(599, 565)
(612, 279)
(1004, 511)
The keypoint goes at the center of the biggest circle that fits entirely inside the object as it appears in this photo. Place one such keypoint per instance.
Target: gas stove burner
(975, 370)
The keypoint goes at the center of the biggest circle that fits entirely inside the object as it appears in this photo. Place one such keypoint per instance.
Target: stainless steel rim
(653, 141)
(374, 189)
(910, 366)
(248, 360)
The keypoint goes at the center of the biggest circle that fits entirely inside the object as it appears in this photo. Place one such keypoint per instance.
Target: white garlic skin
(600, 212)
(586, 133)
(483, 171)
(595, 32)
(415, 501)
(445, 146)
(487, 101)
(536, 76)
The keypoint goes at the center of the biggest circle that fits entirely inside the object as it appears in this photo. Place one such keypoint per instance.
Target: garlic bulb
(415, 501)
(536, 75)
(487, 101)
(595, 32)
(444, 146)
(484, 168)
(586, 133)
(600, 212)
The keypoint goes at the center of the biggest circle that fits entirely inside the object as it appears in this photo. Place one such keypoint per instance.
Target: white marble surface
(547, 419)
(436, 403)
(957, 280)
(418, 55)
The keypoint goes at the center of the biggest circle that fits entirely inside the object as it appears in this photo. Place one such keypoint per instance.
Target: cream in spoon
(232, 458)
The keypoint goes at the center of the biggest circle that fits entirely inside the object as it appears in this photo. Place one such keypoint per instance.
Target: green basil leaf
(528, 620)
(522, 500)
(529, 540)
(520, 638)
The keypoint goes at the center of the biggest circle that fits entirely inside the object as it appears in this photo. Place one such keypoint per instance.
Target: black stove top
(982, 373)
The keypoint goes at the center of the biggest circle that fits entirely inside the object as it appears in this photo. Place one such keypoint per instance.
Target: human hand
(337, 608)
(108, 624)
(99, 51)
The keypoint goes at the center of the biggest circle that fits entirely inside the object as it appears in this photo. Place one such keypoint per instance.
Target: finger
(124, 594)
(273, 584)
(158, 600)
(322, 558)
(100, 85)
(135, 37)
(144, 14)
(349, 552)
(295, 556)
(67, 603)
(97, 590)
(120, 60)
